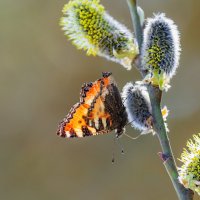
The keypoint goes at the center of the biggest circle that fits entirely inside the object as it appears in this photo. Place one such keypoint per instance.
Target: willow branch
(166, 155)
(132, 4)
(158, 123)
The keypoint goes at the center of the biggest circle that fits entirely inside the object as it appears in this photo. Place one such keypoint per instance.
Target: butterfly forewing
(98, 111)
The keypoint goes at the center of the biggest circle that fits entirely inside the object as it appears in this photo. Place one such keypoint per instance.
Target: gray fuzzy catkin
(138, 107)
(161, 45)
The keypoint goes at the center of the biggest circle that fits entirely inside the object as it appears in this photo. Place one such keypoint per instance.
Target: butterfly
(99, 111)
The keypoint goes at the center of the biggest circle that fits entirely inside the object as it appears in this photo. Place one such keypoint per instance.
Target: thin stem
(132, 4)
(167, 155)
(136, 21)
(158, 123)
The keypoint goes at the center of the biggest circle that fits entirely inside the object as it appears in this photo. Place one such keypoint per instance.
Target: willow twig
(136, 21)
(166, 155)
(158, 124)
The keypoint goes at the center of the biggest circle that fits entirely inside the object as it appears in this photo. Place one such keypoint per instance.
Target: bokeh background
(40, 78)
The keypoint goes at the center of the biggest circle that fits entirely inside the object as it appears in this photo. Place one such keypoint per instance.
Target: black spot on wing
(93, 124)
(72, 133)
(86, 119)
(108, 123)
(101, 127)
(86, 131)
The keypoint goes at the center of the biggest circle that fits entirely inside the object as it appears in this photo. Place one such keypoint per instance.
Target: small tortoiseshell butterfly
(99, 111)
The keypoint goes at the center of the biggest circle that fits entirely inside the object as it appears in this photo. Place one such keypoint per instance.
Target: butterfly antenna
(113, 152)
(113, 158)
(119, 145)
(124, 100)
(116, 141)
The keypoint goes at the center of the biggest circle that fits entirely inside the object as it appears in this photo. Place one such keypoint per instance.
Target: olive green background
(40, 78)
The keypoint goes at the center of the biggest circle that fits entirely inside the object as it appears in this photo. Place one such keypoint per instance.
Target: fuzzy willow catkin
(160, 49)
(189, 172)
(92, 29)
(137, 103)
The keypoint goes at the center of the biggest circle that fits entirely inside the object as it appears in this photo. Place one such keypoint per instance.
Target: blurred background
(41, 74)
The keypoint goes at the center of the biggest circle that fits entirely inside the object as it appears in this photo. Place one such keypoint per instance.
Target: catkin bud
(189, 172)
(137, 103)
(91, 28)
(160, 49)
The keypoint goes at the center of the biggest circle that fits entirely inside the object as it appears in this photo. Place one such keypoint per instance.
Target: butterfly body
(99, 111)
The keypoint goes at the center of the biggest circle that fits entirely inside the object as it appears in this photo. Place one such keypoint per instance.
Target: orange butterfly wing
(89, 116)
